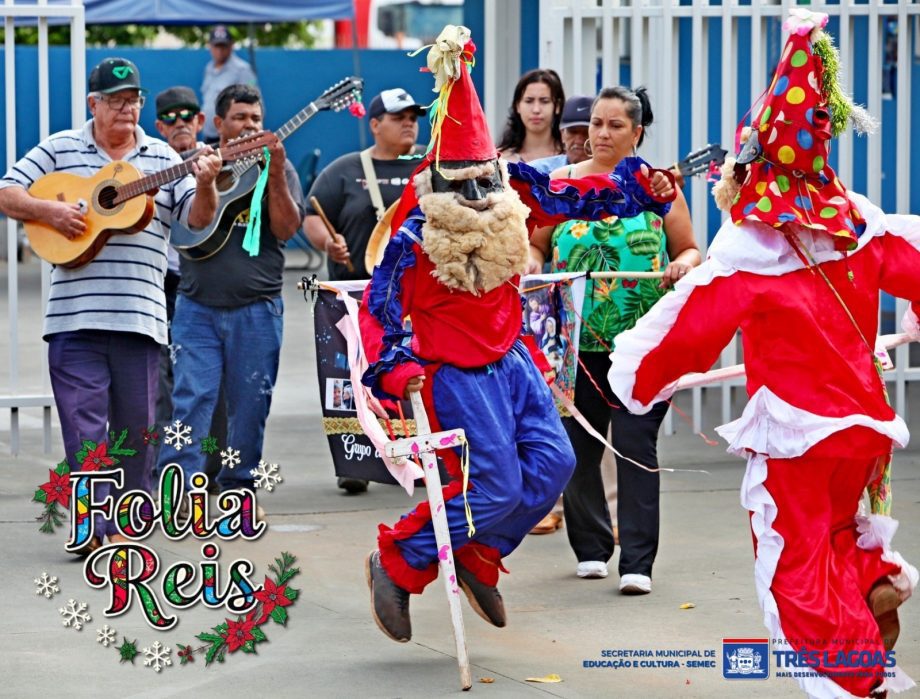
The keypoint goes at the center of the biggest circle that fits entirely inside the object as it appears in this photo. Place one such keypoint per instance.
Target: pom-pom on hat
(789, 179)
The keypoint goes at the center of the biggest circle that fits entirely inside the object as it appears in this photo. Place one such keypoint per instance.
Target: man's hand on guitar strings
(206, 167)
(67, 219)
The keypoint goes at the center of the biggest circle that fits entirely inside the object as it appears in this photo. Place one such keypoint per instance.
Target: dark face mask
(475, 190)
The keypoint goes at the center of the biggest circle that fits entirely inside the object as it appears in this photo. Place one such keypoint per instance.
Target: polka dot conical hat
(790, 180)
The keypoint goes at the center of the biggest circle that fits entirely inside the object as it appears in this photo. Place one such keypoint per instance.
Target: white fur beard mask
(474, 250)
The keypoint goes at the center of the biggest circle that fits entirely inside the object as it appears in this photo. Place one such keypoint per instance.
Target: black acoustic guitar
(236, 183)
(704, 160)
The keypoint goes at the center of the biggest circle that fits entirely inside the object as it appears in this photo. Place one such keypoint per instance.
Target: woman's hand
(415, 384)
(534, 261)
(673, 273)
(662, 186)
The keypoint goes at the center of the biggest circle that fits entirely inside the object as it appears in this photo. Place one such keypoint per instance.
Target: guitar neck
(133, 189)
(295, 122)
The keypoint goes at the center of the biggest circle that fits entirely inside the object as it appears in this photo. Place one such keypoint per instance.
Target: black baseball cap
(393, 102)
(114, 74)
(576, 112)
(220, 35)
(177, 97)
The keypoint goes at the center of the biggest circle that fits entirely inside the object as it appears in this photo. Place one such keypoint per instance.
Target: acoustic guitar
(116, 200)
(235, 184)
(707, 159)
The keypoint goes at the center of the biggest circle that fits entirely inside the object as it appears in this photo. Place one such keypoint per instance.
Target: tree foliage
(301, 34)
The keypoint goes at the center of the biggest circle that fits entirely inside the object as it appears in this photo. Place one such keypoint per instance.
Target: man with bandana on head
(452, 268)
(799, 268)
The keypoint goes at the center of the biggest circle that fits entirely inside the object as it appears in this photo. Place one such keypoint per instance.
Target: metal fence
(16, 395)
(599, 41)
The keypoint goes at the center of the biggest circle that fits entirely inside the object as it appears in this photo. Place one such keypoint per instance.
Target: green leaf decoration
(280, 615)
(596, 258)
(643, 242)
(62, 468)
(602, 230)
(248, 647)
(40, 496)
(211, 655)
(116, 447)
(291, 593)
(51, 518)
(604, 321)
(209, 638)
(636, 305)
(88, 445)
(258, 634)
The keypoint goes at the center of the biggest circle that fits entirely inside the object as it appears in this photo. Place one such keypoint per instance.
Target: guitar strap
(373, 187)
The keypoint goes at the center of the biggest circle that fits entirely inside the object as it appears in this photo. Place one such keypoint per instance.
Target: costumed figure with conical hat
(798, 268)
(452, 266)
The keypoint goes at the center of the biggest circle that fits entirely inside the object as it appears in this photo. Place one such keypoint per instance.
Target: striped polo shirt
(122, 288)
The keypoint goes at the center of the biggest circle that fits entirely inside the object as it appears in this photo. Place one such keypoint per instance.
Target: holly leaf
(62, 468)
(211, 655)
(221, 629)
(280, 615)
(209, 638)
(40, 496)
(291, 593)
(116, 447)
(258, 634)
(248, 647)
(287, 575)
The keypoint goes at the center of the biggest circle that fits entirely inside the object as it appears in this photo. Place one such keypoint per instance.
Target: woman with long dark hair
(532, 129)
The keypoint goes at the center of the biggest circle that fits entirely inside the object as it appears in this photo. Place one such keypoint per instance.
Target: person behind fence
(228, 323)
(798, 267)
(532, 130)
(453, 265)
(573, 131)
(357, 188)
(647, 242)
(224, 69)
(105, 321)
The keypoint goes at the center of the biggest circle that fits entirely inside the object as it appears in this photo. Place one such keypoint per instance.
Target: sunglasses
(187, 115)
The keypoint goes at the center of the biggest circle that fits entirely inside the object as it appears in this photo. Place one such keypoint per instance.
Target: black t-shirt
(342, 192)
(230, 278)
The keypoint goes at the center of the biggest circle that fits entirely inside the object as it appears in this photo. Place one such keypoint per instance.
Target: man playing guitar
(106, 319)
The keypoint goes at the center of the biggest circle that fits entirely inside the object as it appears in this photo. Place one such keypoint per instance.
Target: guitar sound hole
(107, 197)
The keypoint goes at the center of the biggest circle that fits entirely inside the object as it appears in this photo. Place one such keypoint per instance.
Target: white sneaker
(634, 584)
(591, 569)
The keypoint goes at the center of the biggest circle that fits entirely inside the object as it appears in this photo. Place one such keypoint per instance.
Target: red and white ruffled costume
(817, 422)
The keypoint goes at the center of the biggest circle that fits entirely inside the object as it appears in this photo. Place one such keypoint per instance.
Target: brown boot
(547, 525)
(485, 600)
(884, 602)
(389, 602)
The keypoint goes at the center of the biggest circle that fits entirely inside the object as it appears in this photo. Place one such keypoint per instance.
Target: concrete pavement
(331, 646)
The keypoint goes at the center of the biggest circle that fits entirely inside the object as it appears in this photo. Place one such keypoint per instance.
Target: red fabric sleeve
(901, 269)
(393, 382)
(704, 325)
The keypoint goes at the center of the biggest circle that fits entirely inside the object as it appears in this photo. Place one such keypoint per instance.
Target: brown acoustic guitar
(116, 200)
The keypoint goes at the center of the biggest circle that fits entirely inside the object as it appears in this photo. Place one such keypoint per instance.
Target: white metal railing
(577, 35)
(38, 15)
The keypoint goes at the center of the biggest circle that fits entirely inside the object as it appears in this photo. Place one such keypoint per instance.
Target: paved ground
(331, 647)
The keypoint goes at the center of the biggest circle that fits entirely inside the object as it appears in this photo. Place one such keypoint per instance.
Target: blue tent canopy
(210, 11)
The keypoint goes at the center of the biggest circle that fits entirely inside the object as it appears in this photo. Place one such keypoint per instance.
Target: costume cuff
(910, 323)
(394, 381)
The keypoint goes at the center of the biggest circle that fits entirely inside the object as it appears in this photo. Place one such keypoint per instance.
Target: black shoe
(485, 600)
(389, 602)
(352, 486)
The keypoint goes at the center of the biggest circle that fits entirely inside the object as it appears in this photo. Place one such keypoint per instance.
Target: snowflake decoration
(157, 656)
(230, 457)
(267, 476)
(209, 445)
(178, 435)
(74, 614)
(47, 585)
(105, 636)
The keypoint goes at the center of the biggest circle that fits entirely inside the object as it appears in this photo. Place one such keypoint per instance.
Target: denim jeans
(240, 346)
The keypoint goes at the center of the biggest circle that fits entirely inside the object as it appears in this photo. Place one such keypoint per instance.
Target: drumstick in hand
(314, 202)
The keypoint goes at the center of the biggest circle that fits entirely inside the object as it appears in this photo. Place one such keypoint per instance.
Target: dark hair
(513, 138)
(638, 106)
(247, 94)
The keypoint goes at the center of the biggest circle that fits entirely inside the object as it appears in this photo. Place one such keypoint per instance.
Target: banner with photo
(552, 314)
(552, 310)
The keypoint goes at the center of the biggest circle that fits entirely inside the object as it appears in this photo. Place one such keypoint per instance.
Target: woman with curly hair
(532, 130)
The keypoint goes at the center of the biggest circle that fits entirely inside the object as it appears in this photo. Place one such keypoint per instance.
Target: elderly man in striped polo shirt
(105, 321)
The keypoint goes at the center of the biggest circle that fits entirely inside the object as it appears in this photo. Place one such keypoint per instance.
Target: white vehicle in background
(397, 24)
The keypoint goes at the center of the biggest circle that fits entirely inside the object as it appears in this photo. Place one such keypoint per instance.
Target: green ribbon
(254, 227)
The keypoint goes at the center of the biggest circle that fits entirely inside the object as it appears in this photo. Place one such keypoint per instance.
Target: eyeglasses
(187, 115)
(118, 103)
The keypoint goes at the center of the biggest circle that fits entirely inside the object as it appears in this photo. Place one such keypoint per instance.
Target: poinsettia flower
(271, 596)
(801, 21)
(238, 633)
(58, 489)
(97, 458)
